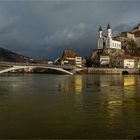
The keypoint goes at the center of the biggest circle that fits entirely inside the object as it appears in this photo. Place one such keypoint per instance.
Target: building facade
(71, 58)
(128, 35)
(104, 61)
(129, 63)
(134, 34)
(78, 61)
(68, 58)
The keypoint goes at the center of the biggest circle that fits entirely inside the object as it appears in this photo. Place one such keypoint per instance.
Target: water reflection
(117, 93)
(78, 84)
(129, 80)
(112, 103)
(71, 84)
(129, 86)
(63, 106)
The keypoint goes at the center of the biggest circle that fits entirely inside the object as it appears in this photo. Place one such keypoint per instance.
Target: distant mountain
(6, 55)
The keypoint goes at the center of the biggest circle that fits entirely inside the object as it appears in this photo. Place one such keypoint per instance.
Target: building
(71, 58)
(104, 61)
(129, 63)
(138, 64)
(128, 35)
(78, 61)
(109, 42)
(134, 34)
(68, 57)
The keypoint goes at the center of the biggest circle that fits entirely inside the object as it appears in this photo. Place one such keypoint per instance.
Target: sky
(42, 29)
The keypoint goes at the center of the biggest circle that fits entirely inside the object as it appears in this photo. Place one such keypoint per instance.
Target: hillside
(6, 55)
(115, 54)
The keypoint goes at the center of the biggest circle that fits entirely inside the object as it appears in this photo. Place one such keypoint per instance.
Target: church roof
(69, 54)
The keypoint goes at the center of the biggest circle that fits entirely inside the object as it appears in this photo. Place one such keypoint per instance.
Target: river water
(61, 106)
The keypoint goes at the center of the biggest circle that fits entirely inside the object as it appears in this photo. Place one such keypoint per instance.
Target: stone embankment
(109, 71)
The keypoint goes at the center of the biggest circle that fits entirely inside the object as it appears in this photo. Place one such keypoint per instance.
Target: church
(108, 42)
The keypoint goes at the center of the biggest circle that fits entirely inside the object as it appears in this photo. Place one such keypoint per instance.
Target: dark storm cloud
(43, 29)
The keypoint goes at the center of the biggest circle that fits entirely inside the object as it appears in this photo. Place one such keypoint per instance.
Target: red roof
(69, 53)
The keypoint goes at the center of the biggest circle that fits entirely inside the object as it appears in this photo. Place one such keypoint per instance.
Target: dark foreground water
(63, 106)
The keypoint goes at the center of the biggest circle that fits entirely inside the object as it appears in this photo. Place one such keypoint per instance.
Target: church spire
(100, 28)
(108, 26)
(100, 38)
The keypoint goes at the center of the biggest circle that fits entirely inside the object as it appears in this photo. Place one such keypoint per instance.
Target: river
(40, 106)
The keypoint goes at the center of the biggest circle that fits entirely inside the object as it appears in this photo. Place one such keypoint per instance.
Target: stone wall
(108, 71)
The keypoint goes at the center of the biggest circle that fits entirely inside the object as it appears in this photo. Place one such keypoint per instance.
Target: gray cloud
(42, 29)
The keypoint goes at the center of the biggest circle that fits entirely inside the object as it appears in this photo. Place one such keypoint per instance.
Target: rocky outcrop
(112, 53)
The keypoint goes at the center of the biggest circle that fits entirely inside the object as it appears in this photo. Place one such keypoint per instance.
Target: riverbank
(108, 71)
(81, 71)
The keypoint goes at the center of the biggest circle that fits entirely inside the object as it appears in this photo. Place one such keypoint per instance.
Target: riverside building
(129, 63)
(71, 58)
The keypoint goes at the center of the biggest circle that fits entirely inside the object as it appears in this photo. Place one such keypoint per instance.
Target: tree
(89, 62)
(132, 46)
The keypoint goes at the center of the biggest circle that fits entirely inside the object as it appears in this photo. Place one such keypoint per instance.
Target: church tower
(109, 37)
(100, 38)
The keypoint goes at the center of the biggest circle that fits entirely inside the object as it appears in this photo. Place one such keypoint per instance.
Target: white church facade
(109, 42)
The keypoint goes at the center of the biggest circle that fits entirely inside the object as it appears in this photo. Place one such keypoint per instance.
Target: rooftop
(69, 53)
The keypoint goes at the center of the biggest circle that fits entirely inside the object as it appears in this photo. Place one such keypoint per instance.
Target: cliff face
(6, 55)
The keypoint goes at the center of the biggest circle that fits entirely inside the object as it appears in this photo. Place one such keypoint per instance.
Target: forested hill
(6, 55)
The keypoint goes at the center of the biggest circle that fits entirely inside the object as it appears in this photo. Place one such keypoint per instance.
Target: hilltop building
(133, 34)
(120, 51)
(109, 42)
(136, 31)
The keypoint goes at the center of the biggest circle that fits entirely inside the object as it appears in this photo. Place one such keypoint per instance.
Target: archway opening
(125, 73)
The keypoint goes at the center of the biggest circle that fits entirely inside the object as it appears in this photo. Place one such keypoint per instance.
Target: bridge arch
(53, 68)
(125, 72)
(34, 67)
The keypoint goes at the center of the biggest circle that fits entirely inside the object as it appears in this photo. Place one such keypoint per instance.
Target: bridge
(14, 66)
(67, 69)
